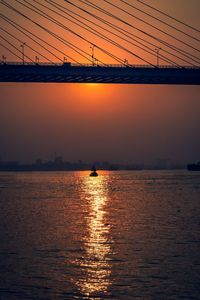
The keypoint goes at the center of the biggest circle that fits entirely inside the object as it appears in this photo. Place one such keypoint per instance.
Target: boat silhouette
(94, 172)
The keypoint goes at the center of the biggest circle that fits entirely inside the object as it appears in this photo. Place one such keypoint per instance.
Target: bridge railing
(68, 64)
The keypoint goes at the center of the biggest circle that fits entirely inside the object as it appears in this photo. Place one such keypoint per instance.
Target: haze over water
(122, 235)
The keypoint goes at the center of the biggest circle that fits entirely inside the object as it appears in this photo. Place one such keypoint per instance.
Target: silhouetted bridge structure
(71, 73)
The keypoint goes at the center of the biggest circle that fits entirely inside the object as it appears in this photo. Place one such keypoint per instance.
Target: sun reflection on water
(97, 240)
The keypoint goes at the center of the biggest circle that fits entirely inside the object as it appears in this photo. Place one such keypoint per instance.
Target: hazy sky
(117, 123)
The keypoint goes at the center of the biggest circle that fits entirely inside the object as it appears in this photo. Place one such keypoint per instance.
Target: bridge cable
(97, 33)
(167, 15)
(150, 50)
(70, 45)
(149, 35)
(15, 47)
(17, 11)
(155, 27)
(26, 44)
(161, 21)
(66, 11)
(87, 53)
(45, 15)
(21, 29)
(64, 41)
(107, 53)
(37, 36)
(129, 35)
(88, 3)
(66, 28)
(10, 50)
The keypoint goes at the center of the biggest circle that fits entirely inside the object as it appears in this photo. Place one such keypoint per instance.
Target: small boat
(194, 167)
(94, 172)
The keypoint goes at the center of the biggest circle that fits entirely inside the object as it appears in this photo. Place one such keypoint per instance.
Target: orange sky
(117, 123)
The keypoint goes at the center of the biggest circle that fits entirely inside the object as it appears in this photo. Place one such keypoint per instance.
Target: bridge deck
(67, 73)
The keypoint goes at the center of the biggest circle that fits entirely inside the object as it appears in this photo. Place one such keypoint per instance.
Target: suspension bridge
(79, 41)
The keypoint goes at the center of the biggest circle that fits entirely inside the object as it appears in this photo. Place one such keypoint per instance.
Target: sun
(92, 85)
(93, 88)
(92, 91)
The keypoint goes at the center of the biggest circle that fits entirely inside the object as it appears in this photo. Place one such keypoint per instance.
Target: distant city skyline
(60, 164)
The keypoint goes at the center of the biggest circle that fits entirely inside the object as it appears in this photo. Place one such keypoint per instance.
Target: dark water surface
(122, 235)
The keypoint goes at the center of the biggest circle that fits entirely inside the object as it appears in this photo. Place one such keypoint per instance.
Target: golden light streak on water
(97, 240)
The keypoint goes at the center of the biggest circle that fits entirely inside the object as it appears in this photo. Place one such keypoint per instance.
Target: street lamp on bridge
(22, 46)
(4, 59)
(37, 60)
(126, 62)
(93, 59)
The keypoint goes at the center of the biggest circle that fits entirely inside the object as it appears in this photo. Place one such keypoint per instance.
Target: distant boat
(194, 167)
(94, 172)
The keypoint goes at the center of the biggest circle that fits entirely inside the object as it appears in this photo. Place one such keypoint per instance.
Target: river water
(122, 235)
